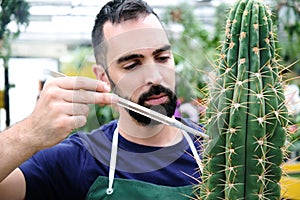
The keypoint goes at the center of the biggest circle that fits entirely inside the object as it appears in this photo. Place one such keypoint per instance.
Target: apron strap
(113, 158)
(193, 149)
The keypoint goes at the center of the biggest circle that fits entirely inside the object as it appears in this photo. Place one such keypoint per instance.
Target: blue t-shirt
(67, 170)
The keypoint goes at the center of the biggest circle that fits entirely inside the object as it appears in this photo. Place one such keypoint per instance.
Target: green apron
(110, 188)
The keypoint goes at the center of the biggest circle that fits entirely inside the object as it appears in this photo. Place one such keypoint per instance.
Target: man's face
(141, 65)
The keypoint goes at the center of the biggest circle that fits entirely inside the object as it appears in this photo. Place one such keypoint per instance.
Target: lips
(157, 99)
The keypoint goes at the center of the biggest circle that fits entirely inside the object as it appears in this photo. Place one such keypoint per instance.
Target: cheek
(127, 84)
(170, 78)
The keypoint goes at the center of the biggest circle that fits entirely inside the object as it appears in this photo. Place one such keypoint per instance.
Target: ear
(100, 73)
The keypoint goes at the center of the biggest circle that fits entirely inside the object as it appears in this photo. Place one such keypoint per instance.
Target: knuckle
(83, 82)
(51, 92)
(80, 109)
(62, 123)
(107, 98)
(55, 108)
(101, 98)
(49, 83)
(80, 96)
(80, 80)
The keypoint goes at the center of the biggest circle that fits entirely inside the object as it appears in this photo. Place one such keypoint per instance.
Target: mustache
(155, 90)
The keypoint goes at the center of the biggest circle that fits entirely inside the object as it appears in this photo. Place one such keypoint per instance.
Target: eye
(131, 65)
(163, 58)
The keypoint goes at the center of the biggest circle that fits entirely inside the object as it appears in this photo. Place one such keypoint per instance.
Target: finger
(72, 122)
(76, 109)
(89, 97)
(78, 121)
(106, 99)
(82, 83)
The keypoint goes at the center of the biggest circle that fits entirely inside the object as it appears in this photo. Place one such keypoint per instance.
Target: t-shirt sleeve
(49, 174)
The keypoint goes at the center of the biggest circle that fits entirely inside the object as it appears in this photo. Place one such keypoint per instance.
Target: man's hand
(62, 107)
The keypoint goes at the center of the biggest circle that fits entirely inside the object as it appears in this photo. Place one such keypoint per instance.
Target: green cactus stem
(247, 116)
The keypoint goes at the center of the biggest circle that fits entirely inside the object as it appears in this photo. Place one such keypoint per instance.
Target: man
(133, 157)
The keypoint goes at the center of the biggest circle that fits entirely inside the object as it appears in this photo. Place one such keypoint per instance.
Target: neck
(151, 135)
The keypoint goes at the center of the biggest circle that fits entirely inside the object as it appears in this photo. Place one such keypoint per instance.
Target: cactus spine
(247, 117)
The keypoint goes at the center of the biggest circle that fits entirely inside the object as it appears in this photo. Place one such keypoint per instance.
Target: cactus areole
(247, 116)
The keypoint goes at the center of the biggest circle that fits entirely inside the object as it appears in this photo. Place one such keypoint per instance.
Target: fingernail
(106, 87)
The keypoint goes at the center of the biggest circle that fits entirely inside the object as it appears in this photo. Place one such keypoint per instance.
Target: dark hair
(116, 11)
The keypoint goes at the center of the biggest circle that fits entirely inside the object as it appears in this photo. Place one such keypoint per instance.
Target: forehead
(133, 35)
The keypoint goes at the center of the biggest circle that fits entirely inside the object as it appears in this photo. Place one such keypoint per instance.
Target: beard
(167, 108)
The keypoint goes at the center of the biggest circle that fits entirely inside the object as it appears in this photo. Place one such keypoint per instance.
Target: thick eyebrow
(162, 49)
(129, 57)
(134, 56)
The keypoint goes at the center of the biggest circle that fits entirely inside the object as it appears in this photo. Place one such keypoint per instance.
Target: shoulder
(106, 129)
(98, 136)
(81, 144)
(98, 142)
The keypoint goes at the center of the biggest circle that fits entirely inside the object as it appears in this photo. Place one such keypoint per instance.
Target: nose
(154, 74)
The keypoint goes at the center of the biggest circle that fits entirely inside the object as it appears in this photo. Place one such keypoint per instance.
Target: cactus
(247, 116)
